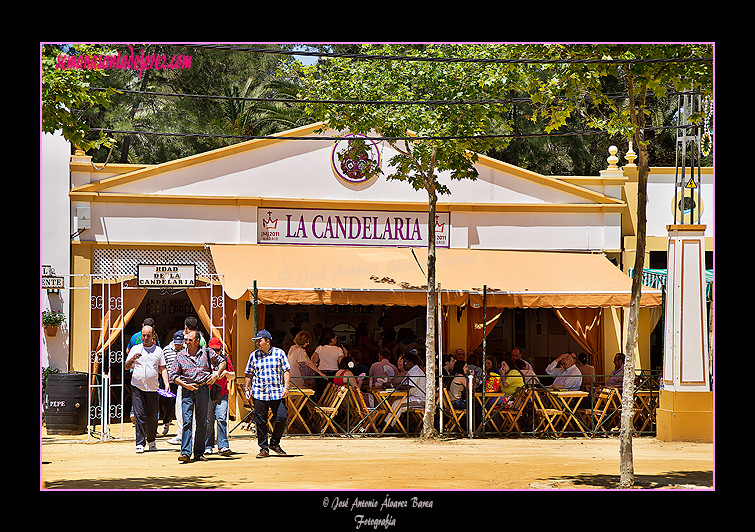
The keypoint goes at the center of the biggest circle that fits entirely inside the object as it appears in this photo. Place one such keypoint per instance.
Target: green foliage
(46, 372)
(419, 161)
(66, 93)
(563, 90)
(198, 123)
(52, 317)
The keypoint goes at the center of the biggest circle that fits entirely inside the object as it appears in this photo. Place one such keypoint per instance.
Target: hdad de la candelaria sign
(168, 275)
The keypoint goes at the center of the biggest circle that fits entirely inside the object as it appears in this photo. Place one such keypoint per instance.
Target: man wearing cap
(267, 375)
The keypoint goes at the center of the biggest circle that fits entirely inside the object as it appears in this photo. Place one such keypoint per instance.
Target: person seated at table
(399, 378)
(416, 382)
(457, 388)
(516, 354)
(528, 374)
(359, 367)
(345, 377)
(301, 366)
(327, 357)
(447, 369)
(566, 372)
(383, 370)
(616, 379)
(587, 371)
(513, 377)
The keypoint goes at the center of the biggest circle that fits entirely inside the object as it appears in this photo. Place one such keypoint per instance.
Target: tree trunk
(627, 399)
(428, 430)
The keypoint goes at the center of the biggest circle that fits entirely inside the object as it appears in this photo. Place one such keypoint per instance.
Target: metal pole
(470, 406)
(484, 348)
(254, 295)
(439, 329)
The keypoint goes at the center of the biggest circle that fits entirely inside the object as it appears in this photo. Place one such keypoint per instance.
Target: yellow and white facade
(286, 217)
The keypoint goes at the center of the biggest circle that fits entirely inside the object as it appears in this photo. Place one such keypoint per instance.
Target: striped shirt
(170, 355)
(194, 369)
(267, 371)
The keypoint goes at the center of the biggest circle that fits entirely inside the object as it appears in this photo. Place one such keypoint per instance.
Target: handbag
(493, 383)
(216, 392)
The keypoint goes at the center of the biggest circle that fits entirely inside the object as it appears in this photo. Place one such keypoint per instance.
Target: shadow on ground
(671, 480)
(142, 483)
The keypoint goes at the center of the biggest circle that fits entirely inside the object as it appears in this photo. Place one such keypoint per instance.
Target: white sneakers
(151, 447)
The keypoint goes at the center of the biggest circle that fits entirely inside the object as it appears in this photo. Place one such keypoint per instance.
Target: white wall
(55, 231)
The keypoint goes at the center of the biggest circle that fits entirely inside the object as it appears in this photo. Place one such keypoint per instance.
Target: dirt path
(388, 463)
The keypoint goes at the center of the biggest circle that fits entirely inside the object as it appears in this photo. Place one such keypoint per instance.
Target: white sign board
(52, 283)
(168, 275)
(350, 228)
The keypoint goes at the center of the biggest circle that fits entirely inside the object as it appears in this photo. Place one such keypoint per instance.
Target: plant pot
(51, 330)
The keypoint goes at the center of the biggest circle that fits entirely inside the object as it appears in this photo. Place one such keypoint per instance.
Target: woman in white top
(327, 357)
(300, 362)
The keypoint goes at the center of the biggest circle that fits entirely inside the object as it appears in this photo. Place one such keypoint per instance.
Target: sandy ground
(377, 463)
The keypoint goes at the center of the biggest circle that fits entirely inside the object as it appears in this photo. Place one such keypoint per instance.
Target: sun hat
(215, 343)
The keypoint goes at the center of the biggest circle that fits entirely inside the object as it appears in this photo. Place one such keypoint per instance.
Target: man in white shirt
(416, 381)
(148, 362)
(567, 373)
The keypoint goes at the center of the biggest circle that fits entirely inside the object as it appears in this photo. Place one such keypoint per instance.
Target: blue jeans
(219, 413)
(194, 402)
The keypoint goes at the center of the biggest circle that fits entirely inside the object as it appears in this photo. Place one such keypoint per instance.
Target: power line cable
(444, 59)
(613, 96)
(375, 138)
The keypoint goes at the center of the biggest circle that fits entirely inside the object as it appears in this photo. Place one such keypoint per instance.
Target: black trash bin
(65, 403)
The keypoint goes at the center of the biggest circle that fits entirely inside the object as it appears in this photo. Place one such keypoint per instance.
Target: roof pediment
(284, 169)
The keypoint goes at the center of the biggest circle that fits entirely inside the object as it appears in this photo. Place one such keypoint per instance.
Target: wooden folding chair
(645, 403)
(419, 414)
(327, 411)
(246, 403)
(455, 415)
(548, 416)
(600, 416)
(324, 399)
(367, 418)
(511, 415)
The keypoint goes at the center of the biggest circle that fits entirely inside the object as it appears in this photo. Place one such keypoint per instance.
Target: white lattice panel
(125, 261)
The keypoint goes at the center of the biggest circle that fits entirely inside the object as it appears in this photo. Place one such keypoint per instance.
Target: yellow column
(81, 264)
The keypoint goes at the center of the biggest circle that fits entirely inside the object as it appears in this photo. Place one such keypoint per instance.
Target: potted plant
(51, 320)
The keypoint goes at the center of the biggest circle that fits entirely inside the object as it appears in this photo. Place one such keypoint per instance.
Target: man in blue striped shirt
(266, 379)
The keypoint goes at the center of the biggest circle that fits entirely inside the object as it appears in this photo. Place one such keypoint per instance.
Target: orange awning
(341, 275)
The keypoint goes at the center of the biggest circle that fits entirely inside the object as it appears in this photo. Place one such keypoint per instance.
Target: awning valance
(340, 275)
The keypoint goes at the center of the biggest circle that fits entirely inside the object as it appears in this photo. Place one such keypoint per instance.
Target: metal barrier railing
(490, 421)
